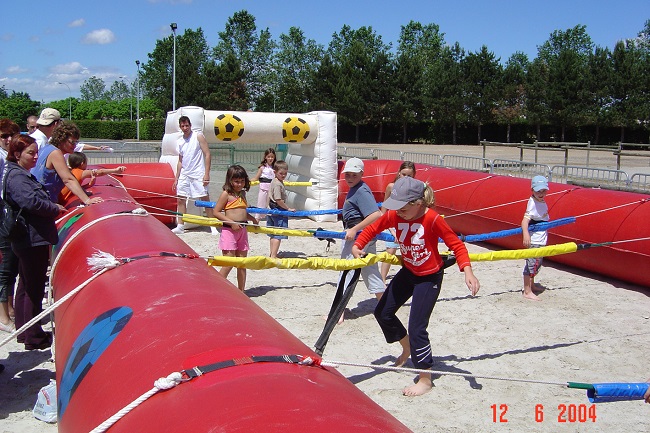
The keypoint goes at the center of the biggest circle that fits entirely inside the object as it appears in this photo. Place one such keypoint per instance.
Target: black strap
(160, 254)
(5, 175)
(197, 371)
(343, 295)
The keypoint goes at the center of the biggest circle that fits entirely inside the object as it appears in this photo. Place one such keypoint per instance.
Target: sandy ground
(585, 329)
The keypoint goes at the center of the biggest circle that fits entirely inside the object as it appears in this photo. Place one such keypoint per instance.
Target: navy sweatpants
(425, 291)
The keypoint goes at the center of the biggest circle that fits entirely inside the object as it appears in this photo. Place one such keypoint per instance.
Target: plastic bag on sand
(45, 407)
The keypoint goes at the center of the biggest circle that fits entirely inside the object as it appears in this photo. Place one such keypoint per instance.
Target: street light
(174, 27)
(137, 104)
(70, 100)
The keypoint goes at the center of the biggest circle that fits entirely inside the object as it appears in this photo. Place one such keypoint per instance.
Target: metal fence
(588, 176)
(122, 156)
(250, 156)
(247, 155)
(516, 168)
(472, 163)
(639, 182)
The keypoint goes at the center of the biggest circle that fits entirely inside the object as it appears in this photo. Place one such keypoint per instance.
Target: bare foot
(401, 360)
(423, 386)
(531, 296)
(406, 352)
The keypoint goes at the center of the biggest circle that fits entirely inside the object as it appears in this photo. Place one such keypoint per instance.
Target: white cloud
(11, 70)
(71, 68)
(100, 37)
(77, 23)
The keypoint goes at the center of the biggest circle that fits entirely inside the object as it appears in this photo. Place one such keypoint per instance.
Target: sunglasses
(5, 136)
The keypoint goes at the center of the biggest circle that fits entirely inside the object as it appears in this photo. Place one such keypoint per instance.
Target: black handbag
(12, 225)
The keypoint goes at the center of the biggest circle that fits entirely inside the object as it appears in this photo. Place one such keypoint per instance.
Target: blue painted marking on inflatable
(86, 350)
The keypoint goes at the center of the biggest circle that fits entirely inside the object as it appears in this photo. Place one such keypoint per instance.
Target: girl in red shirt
(418, 228)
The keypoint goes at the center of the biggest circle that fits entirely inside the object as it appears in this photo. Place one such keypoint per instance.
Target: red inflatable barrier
(149, 184)
(478, 203)
(163, 310)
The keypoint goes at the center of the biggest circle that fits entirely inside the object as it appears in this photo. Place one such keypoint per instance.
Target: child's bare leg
(241, 278)
(4, 314)
(528, 288)
(423, 385)
(182, 208)
(406, 352)
(241, 272)
(224, 271)
(274, 247)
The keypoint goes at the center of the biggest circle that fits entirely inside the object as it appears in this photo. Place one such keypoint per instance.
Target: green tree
(536, 88)
(253, 51)
(511, 104)
(321, 88)
(17, 106)
(192, 59)
(93, 89)
(627, 65)
(361, 60)
(294, 65)
(483, 78)
(119, 90)
(599, 88)
(226, 86)
(566, 53)
(419, 47)
(445, 88)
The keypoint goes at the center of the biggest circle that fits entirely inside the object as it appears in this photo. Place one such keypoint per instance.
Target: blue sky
(71, 41)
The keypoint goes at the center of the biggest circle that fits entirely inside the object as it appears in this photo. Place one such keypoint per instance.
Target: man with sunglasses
(46, 123)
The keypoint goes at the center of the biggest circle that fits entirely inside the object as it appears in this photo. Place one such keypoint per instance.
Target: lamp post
(174, 27)
(70, 100)
(137, 104)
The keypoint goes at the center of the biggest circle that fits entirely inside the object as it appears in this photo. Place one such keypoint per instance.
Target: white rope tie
(135, 212)
(91, 261)
(51, 308)
(161, 384)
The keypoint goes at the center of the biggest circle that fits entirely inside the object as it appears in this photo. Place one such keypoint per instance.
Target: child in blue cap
(536, 212)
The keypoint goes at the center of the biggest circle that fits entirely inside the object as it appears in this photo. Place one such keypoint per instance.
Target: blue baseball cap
(539, 183)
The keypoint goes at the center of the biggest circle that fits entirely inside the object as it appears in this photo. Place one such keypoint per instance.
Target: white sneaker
(178, 230)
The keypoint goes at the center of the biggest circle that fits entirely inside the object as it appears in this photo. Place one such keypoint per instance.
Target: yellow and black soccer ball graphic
(295, 129)
(228, 127)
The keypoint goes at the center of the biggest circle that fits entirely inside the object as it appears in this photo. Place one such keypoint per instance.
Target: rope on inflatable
(176, 378)
(163, 383)
(51, 308)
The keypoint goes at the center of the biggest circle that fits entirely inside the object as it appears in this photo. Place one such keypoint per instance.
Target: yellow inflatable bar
(263, 262)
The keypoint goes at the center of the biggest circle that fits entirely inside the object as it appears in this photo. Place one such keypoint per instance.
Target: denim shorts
(277, 221)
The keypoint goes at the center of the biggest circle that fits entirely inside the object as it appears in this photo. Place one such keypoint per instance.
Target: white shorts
(190, 188)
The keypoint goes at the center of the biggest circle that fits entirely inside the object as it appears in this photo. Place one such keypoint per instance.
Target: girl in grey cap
(418, 229)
